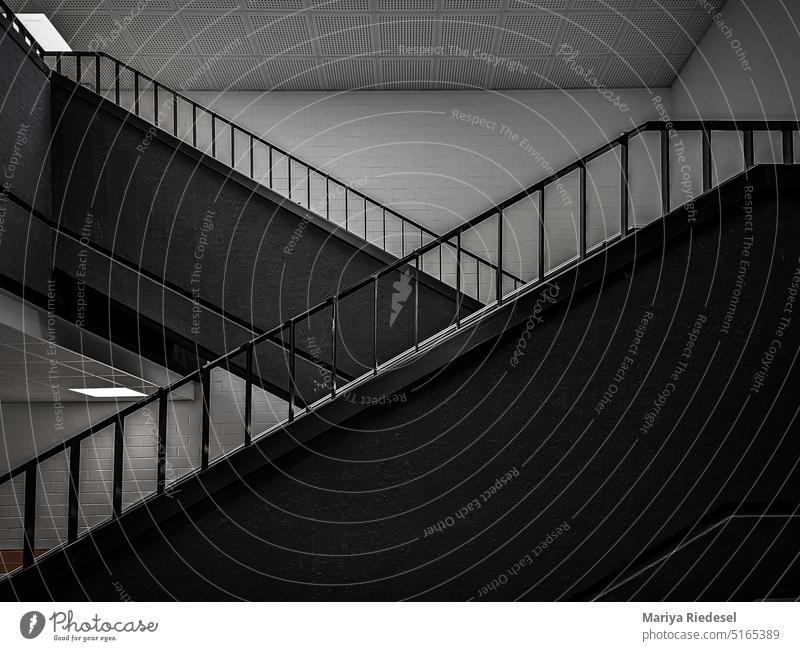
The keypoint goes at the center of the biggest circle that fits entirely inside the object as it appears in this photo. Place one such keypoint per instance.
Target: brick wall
(20, 422)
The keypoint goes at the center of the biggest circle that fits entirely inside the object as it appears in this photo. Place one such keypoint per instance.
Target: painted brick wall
(441, 158)
(19, 422)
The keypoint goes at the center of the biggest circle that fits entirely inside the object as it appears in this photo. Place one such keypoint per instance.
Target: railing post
(327, 198)
(29, 533)
(541, 233)
(175, 114)
(747, 144)
(194, 124)
(155, 102)
(707, 161)
(74, 491)
(270, 167)
(116, 82)
(119, 443)
(334, 310)
(252, 168)
(289, 174)
(375, 325)
(623, 184)
(213, 136)
(665, 190)
(499, 275)
(384, 229)
(97, 73)
(233, 145)
(458, 280)
(346, 209)
(582, 226)
(291, 370)
(161, 481)
(788, 147)
(136, 92)
(416, 301)
(308, 187)
(248, 395)
(205, 382)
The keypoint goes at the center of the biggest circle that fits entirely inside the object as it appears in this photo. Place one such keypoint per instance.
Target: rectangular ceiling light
(44, 32)
(110, 392)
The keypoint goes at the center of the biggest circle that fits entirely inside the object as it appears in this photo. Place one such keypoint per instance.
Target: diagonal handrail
(450, 240)
(409, 228)
(203, 374)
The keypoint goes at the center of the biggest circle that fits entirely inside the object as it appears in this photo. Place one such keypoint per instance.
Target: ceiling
(364, 44)
(33, 370)
(43, 356)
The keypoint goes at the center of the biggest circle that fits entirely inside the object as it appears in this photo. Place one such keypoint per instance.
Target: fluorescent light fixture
(110, 392)
(44, 32)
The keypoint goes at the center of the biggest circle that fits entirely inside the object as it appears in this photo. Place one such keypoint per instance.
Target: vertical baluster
(291, 370)
(136, 92)
(541, 233)
(97, 73)
(233, 144)
(327, 198)
(194, 124)
(289, 164)
(119, 447)
(665, 198)
(499, 275)
(346, 209)
(334, 311)
(116, 82)
(365, 218)
(161, 482)
(788, 147)
(29, 533)
(402, 238)
(74, 491)
(248, 395)
(155, 102)
(252, 169)
(707, 161)
(175, 115)
(58, 63)
(458, 280)
(270, 167)
(384, 229)
(308, 187)
(747, 143)
(416, 300)
(213, 136)
(205, 382)
(78, 71)
(582, 236)
(478, 281)
(375, 325)
(623, 186)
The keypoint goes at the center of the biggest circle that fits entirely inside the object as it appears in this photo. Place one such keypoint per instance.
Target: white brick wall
(24, 424)
(412, 152)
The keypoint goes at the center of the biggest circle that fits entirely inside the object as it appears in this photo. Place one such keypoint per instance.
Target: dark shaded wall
(371, 510)
(217, 237)
(25, 134)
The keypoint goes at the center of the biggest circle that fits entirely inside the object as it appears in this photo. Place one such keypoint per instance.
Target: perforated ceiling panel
(400, 44)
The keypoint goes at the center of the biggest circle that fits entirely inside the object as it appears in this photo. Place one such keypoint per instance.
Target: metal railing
(328, 319)
(244, 151)
(446, 255)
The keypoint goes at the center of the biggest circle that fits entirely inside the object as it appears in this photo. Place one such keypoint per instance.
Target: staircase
(347, 344)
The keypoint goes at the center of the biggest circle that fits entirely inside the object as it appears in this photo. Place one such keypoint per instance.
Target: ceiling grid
(347, 44)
